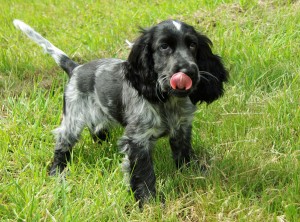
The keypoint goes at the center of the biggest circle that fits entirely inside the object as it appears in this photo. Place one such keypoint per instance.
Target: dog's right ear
(140, 67)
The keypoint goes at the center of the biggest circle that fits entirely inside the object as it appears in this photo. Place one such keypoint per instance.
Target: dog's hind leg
(99, 135)
(66, 136)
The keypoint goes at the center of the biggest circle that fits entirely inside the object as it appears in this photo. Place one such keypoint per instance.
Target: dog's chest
(177, 113)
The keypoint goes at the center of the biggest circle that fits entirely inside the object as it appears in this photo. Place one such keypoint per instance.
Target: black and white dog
(152, 94)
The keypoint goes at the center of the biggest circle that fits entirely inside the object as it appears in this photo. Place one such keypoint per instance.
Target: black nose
(186, 67)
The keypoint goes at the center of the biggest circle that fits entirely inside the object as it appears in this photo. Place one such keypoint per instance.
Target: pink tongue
(181, 81)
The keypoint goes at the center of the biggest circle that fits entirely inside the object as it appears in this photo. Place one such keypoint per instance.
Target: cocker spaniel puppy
(152, 94)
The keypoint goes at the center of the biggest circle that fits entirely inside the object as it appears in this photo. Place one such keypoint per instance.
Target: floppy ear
(212, 73)
(140, 67)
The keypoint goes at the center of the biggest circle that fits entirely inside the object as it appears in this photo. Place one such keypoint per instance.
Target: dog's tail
(59, 56)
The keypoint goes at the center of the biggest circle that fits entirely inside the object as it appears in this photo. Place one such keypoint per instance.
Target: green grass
(249, 138)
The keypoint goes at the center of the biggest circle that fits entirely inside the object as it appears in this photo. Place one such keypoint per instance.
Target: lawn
(249, 139)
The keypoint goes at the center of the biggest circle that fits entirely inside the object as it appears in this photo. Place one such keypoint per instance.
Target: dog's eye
(193, 45)
(164, 47)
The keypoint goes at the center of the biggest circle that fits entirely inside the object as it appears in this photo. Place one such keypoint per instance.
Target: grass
(249, 139)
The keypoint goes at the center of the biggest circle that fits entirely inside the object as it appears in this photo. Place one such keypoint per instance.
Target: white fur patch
(49, 48)
(177, 25)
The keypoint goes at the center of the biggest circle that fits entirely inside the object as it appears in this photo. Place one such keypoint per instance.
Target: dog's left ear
(212, 73)
(140, 67)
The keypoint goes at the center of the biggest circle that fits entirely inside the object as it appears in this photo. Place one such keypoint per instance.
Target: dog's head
(172, 59)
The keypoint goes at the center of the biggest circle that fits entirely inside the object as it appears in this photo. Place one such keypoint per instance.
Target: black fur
(210, 86)
(100, 136)
(181, 146)
(86, 82)
(67, 64)
(139, 68)
(60, 161)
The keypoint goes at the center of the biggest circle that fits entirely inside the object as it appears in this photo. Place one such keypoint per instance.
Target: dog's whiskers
(160, 83)
(158, 91)
(201, 76)
(207, 73)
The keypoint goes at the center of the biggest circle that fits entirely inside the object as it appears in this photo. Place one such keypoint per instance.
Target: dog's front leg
(138, 164)
(180, 142)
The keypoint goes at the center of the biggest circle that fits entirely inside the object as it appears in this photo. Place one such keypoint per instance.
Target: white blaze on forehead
(177, 25)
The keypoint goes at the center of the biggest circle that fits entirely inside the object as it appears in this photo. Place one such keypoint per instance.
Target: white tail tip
(21, 25)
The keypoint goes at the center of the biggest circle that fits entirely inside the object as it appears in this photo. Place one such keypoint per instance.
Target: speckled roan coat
(136, 93)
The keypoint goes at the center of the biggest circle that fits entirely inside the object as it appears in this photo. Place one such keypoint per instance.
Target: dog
(154, 93)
